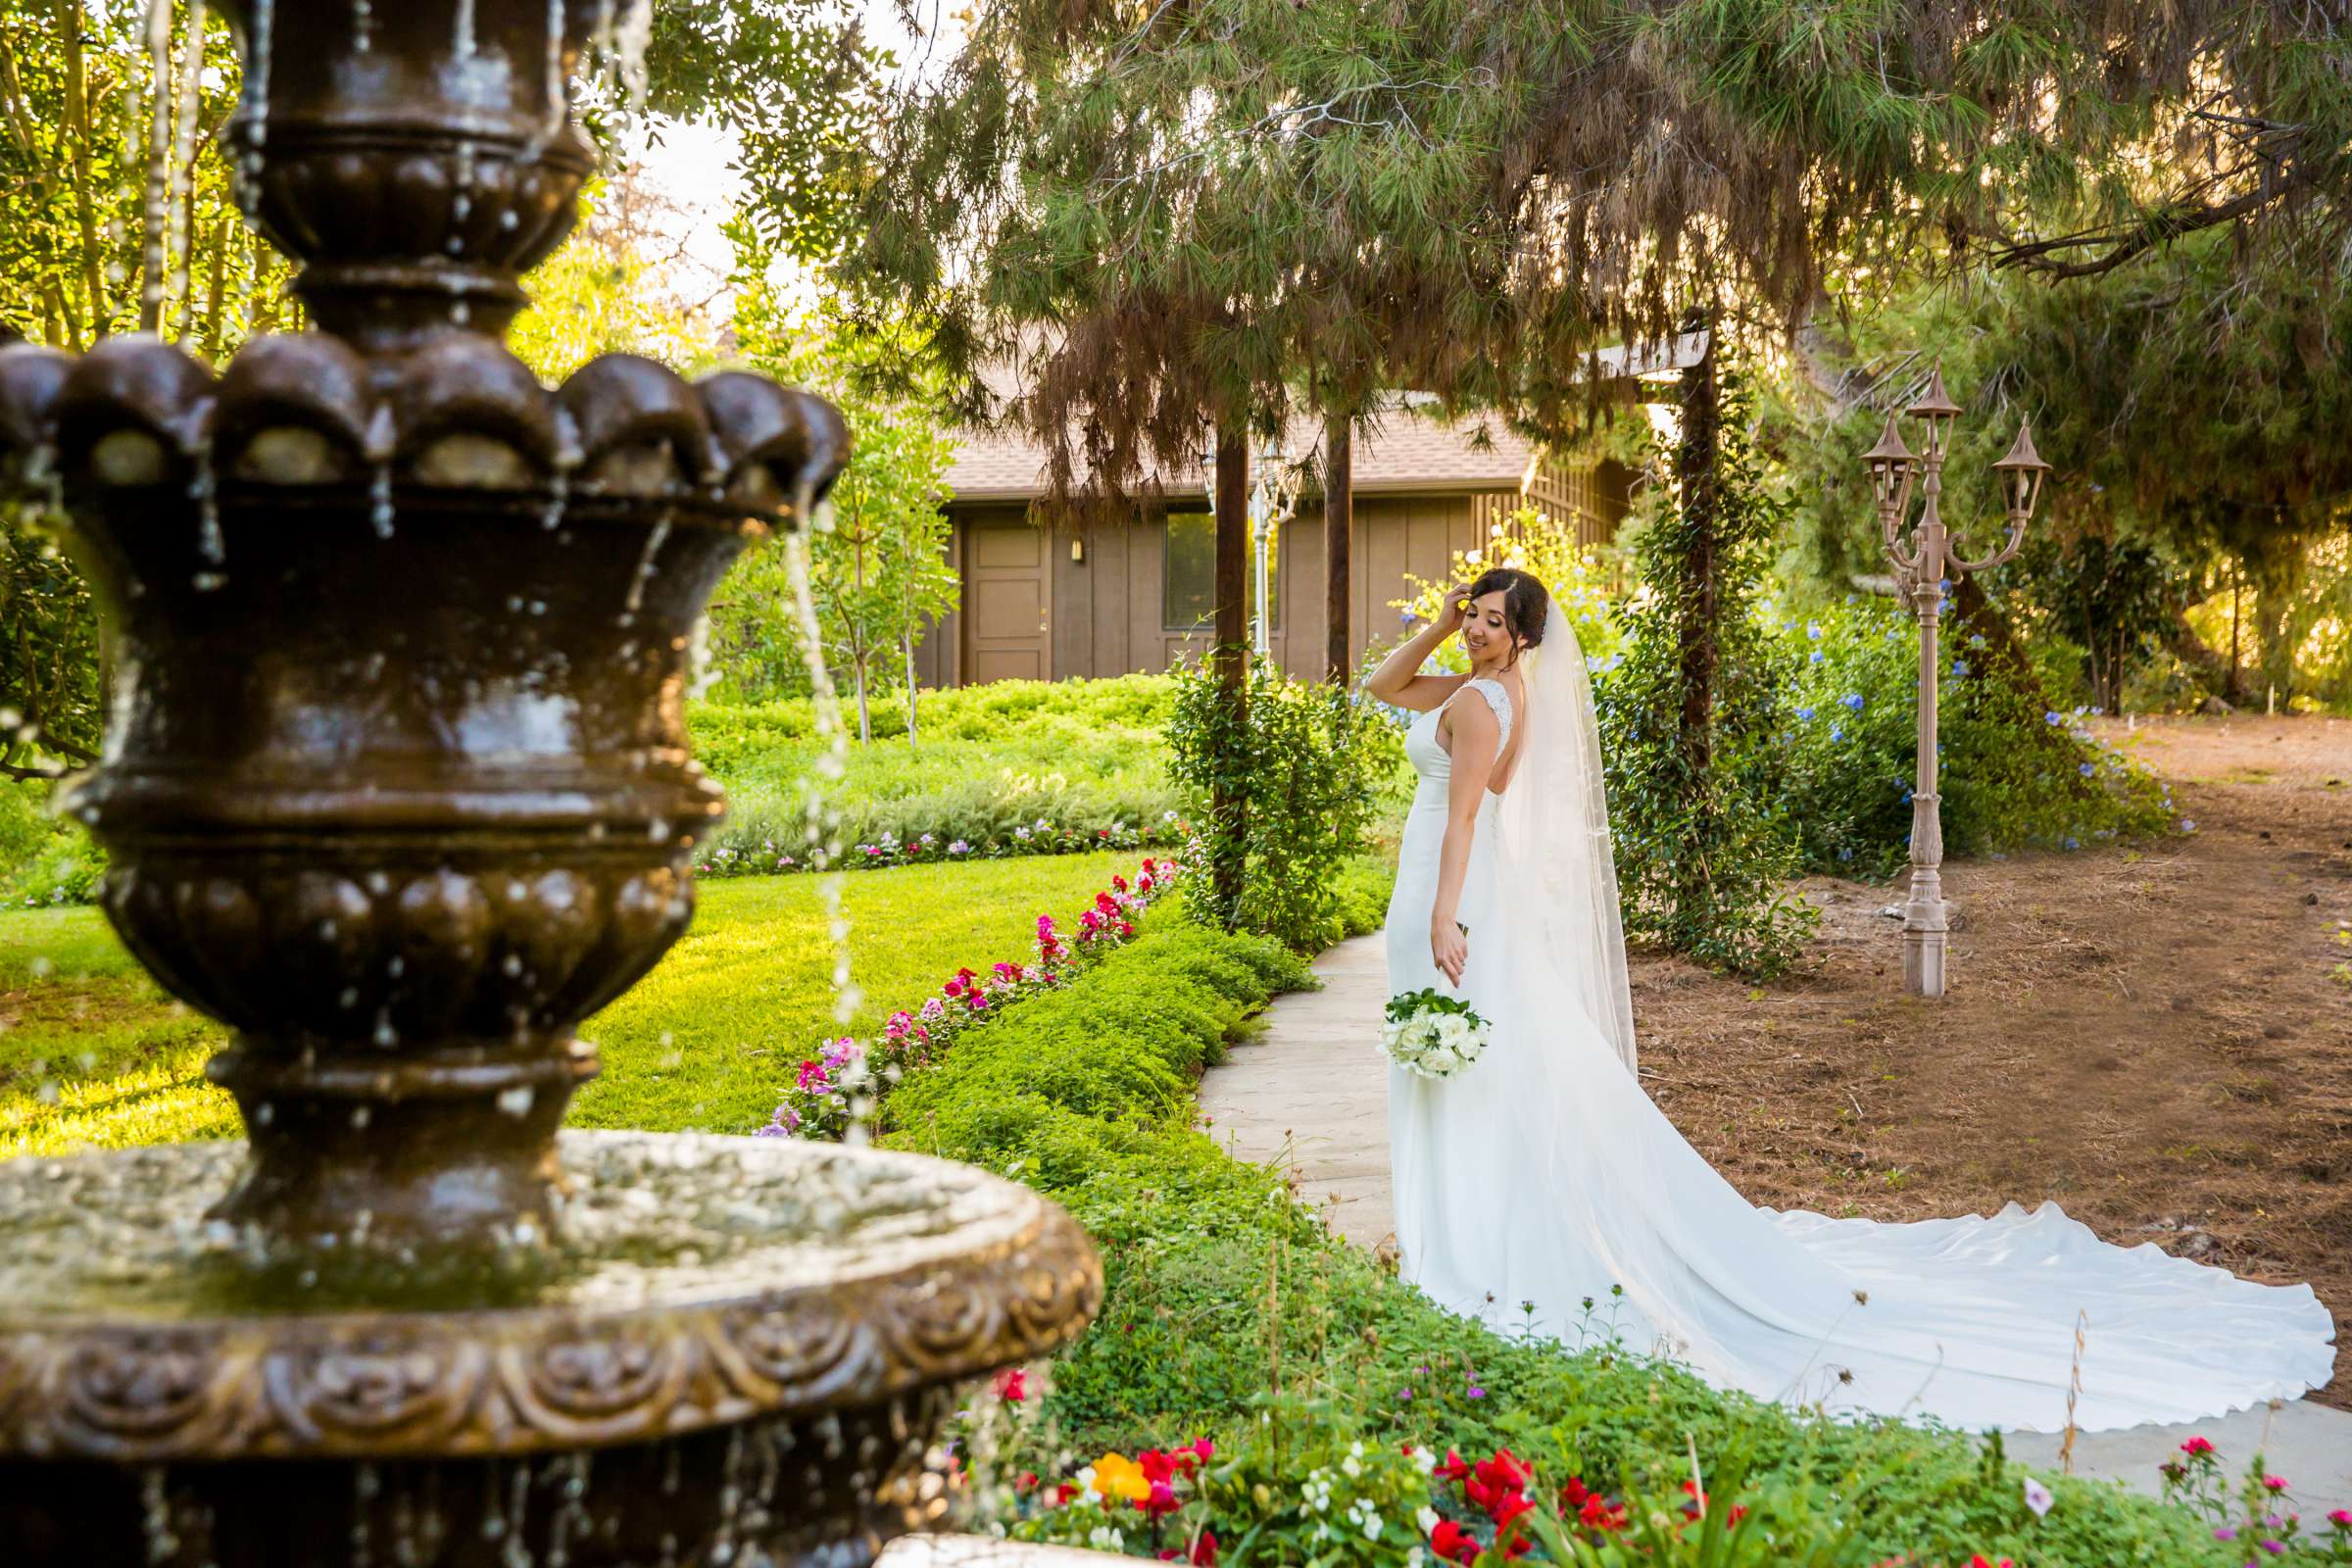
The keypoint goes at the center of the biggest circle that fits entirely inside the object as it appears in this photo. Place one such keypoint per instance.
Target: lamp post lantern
(1923, 570)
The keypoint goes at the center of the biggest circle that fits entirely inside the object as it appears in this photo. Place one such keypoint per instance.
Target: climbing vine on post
(1703, 849)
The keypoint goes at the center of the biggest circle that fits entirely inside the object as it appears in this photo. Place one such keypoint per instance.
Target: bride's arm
(1398, 680)
(1476, 738)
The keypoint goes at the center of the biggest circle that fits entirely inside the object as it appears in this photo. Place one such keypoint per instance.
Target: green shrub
(2014, 773)
(1704, 838)
(1299, 780)
(44, 859)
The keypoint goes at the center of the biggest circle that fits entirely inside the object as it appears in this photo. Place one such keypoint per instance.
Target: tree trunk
(1698, 645)
(1338, 521)
(77, 127)
(906, 645)
(1231, 659)
(2233, 689)
(865, 717)
(2278, 579)
(155, 212)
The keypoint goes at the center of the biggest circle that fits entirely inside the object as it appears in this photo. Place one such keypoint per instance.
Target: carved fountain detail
(397, 785)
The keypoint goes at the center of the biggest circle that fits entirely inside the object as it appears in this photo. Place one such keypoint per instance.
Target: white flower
(1427, 1518)
(2038, 1498)
(1106, 1537)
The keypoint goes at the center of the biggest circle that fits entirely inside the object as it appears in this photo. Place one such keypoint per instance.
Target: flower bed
(834, 1089)
(1231, 1316)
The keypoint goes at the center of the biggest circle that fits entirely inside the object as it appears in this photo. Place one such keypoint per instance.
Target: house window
(1189, 582)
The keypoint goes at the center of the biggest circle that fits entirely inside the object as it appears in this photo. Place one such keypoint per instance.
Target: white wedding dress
(1542, 1175)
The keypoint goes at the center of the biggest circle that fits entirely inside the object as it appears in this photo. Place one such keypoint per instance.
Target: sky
(692, 163)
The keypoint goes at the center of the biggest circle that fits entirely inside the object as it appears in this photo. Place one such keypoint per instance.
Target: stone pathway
(1311, 1095)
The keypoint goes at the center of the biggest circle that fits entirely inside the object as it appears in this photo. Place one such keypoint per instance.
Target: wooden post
(1338, 521)
(1230, 655)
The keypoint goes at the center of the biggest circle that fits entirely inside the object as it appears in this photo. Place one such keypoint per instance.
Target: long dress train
(1541, 1176)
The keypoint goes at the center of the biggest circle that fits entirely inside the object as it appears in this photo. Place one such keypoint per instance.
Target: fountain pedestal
(397, 785)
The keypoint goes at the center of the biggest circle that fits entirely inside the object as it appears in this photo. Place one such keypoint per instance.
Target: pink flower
(935, 1009)
(2274, 1483)
(1012, 1384)
(813, 1078)
(2342, 1518)
(2196, 1448)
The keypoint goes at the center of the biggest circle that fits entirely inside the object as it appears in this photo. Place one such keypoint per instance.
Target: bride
(1541, 1176)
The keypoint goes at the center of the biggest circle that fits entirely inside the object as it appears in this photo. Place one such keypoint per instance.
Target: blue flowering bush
(2015, 775)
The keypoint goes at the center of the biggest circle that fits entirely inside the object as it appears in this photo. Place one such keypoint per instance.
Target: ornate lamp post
(1270, 496)
(1923, 567)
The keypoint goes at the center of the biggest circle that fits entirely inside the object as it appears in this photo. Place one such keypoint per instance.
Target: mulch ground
(2159, 1038)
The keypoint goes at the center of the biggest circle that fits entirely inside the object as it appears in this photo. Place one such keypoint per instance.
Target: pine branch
(2138, 239)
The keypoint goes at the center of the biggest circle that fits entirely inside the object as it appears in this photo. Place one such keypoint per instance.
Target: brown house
(1041, 604)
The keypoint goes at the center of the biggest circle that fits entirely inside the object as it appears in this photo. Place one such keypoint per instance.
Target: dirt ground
(2159, 1038)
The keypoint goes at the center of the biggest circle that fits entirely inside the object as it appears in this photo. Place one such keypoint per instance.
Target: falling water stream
(832, 761)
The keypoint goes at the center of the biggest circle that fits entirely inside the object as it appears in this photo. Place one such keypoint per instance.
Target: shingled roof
(1402, 455)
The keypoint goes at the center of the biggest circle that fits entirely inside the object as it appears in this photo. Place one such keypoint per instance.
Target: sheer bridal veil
(1552, 834)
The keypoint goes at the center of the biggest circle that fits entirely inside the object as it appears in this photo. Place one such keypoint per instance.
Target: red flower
(1157, 1466)
(1027, 1482)
(1126, 929)
(1574, 1494)
(1453, 1469)
(1066, 1494)
(1162, 1503)
(1204, 1550)
(1980, 1560)
(1451, 1543)
(1119, 882)
(1598, 1513)
(2196, 1448)
(1203, 1451)
(1505, 1469)
(1012, 1384)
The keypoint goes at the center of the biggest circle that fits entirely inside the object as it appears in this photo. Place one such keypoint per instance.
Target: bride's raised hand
(1448, 949)
(1453, 607)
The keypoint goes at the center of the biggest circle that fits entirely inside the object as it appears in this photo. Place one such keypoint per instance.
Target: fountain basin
(743, 1341)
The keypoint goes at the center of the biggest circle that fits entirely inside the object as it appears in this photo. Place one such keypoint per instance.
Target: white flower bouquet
(1433, 1034)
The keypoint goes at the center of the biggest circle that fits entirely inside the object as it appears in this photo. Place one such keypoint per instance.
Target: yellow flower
(1121, 1479)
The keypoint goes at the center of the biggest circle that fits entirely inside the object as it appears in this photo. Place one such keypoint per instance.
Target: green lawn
(92, 1054)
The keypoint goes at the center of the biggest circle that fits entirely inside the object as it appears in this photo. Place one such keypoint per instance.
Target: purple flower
(1477, 1392)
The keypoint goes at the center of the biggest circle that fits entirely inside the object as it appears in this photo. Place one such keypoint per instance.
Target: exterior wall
(1101, 606)
(1397, 537)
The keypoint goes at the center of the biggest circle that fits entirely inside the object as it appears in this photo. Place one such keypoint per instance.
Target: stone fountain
(396, 785)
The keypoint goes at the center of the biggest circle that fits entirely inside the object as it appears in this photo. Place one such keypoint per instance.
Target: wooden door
(1008, 604)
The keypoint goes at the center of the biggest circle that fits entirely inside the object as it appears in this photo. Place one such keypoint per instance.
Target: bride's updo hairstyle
(1526, 604)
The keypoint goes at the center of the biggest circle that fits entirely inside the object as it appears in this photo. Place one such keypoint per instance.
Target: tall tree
(1166, 216)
